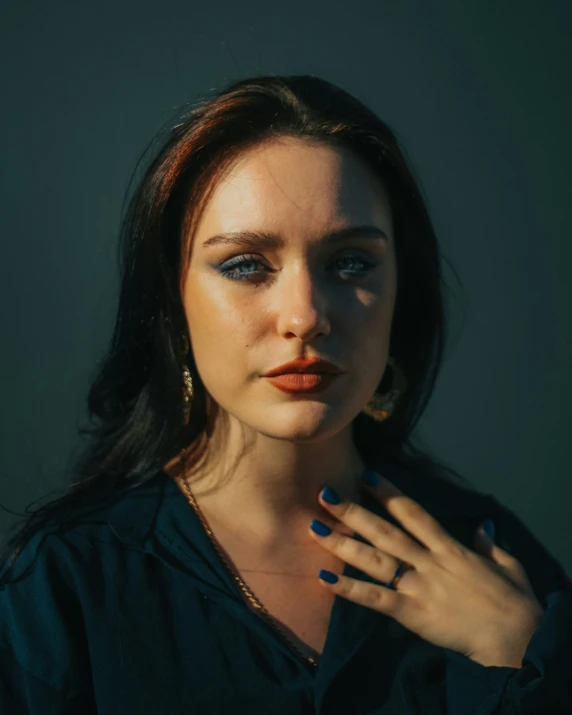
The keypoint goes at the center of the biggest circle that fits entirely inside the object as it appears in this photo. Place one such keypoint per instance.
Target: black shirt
(131, 611)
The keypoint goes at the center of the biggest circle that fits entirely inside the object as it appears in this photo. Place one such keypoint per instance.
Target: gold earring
(381, 406)
(187, 382)
(187, 394)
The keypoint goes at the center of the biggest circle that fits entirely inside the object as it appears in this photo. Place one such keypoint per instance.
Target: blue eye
(230, 269)
(354, 258)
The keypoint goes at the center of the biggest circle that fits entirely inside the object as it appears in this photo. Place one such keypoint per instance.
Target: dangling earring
(187, 384)
(187, 394)
(381, 406)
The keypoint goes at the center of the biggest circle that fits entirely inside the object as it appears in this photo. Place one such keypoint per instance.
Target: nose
(302, 306)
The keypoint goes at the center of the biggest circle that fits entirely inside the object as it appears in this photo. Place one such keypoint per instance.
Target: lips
(315, 366)
(302, 381)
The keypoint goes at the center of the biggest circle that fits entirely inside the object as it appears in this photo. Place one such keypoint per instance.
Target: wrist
(510, 653)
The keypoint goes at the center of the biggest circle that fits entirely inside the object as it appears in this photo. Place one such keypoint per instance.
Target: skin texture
(271, 452)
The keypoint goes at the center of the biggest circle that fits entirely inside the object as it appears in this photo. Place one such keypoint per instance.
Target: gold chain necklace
(243, 587)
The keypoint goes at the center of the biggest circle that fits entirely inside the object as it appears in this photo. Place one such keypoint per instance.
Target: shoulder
(83, 532)
(55, 585)
(45, 558)
(51, 562)
(41, 621)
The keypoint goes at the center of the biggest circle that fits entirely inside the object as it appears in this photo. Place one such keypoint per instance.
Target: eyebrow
(272, 240)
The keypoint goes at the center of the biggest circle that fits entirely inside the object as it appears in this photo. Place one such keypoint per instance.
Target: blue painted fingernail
(330, 496)
(489, 528)
(327, 576)
(320, 528)
(370, 478)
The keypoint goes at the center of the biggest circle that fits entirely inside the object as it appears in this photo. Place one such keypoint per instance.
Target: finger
(379, 598)
(376, 563)
(485, 546)
(379, 532)
(418, 522)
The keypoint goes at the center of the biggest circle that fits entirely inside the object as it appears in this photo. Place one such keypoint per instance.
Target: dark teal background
(478, 92)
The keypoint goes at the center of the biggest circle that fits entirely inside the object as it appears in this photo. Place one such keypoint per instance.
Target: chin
(300, 421)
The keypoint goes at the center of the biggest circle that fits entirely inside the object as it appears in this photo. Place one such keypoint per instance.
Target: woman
(251, 528)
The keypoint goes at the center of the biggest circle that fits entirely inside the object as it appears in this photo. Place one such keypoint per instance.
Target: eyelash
(242, 260)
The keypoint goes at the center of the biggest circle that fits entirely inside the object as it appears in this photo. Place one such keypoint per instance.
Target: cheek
(371, 313)
(220, 321)
(371, 333)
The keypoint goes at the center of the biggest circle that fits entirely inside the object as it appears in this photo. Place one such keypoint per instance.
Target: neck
(266, 487)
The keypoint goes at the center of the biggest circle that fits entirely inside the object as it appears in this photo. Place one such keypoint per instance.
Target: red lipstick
(303, 375)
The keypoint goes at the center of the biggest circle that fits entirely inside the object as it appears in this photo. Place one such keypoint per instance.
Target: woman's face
(253, 306)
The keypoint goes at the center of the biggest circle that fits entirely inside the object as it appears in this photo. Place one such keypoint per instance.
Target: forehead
(296, 185)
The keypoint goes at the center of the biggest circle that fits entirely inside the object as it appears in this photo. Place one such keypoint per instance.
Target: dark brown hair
(135, 402)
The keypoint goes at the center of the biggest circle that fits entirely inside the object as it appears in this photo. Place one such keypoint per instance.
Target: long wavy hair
(135, 401)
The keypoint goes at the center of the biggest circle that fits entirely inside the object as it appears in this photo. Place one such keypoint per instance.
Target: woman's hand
(481, 606)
